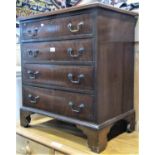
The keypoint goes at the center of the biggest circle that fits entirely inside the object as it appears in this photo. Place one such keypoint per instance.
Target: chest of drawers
(77, 67)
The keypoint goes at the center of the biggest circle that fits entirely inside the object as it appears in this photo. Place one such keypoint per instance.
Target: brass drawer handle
(32, 53)
(74, 108)
(33, 32)
(76, 28)
(70, 52)
(79, 78)
(32, 74)
(33, 99)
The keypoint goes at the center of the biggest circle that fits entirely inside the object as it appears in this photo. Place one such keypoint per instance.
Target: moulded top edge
(78, 8)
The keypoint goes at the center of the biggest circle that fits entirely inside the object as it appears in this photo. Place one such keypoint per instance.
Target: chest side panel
(114, 63)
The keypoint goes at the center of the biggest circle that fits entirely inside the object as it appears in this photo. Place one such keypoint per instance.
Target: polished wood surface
(57, 138)
(59, 75)
(97, 140)
(108, 76)
(47, 52)
(57, 27)
(116, 66)
(115, 27)
(83, 7)
(59, 102)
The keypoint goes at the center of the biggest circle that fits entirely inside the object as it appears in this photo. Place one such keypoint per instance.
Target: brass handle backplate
(33, 53)
(73, 28)
(33, 32)
(33, 99)
(74, 108)
(70, 52)
(71, 78)
(32, 74)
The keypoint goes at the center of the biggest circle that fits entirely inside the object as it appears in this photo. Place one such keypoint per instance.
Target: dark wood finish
(115, 64)
(51, 28)
(76, 50)
(115, 26)
(130, 123)
(25, 117)
(128, 77)
(58, 102)
(97, 139)
(88, 124)
(91, 89)
(81, 8)
(58, 75)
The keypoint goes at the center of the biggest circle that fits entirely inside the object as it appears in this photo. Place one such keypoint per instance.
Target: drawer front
(68, 104)
(58, 27)
(65, 76)
(76, 50)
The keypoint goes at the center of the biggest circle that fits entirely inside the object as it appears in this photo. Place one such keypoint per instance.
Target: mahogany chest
(77, 67)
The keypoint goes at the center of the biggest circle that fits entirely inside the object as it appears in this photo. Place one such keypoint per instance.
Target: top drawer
(58, 27)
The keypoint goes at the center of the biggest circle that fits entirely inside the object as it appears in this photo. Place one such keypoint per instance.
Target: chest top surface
(80, 8)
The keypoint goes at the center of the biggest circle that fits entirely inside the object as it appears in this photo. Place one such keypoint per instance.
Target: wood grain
(58, 102)
(59, 51)
(83, 7)
(58, 75)
(110, 76)
(126, 144)
(58, 27)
